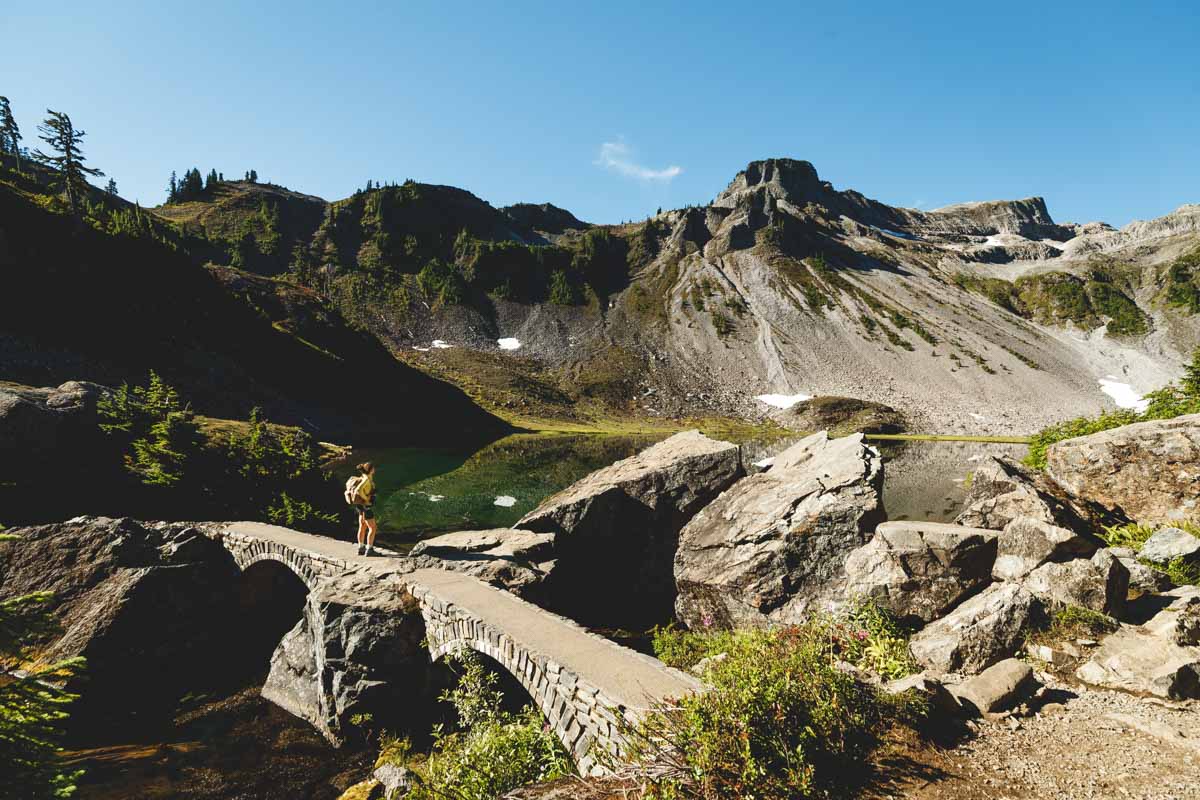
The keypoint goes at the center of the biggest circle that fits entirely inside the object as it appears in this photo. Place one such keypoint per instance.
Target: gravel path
(1097, 744)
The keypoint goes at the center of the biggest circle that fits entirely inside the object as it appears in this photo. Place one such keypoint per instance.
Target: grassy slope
(80, 303)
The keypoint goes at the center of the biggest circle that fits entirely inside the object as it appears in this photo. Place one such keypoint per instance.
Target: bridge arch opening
(266, 602)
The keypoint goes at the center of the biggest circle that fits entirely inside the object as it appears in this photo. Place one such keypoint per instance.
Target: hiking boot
(370, 551)
(362, 550)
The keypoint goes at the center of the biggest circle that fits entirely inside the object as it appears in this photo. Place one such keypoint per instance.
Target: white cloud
(617, 157)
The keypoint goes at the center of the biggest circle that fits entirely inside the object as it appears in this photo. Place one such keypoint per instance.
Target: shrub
(492, 753)
(780, 721)
(33, 709)
(160, 429)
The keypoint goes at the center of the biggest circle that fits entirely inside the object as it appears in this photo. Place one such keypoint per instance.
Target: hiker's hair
(366, 467)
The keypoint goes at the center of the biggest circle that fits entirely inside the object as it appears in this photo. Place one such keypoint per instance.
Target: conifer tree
(173, 189)
(63, 138)
(111, 188)
(10, 132)
(1191, 376)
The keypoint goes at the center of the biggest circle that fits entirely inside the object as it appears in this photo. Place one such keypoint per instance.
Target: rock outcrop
(147, 605)
(1027, 542)
(1100, 583)
(516, 560)
(1149, 471)
(985, 629)
(773, 546)
(354, 650)
(1002, 490)
(841, 416)
(616, 531)
(921, 570)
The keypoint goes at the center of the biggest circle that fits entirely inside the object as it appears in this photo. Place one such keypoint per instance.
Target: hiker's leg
(362, 527)
(372, 528)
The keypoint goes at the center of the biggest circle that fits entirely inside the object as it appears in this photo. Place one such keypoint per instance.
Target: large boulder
(616, 531)
(1148, 659)
(147, 605)
(511, 559)
(1149, 471)
(1168, 544)
(985, 629)
(39, 427)
(1142, 579)
(921, 570)
(355, 650)
(1028, 542)
(773, 546)
(1002, 490)
(1100, 583)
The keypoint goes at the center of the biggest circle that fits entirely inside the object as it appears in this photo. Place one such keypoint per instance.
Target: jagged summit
(796, 183)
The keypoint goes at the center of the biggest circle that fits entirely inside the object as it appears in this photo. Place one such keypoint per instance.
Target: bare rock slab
(1028, 542)
(616, 530)
(1149, 471)
(987, 628)
(921, 570)
(773, 546)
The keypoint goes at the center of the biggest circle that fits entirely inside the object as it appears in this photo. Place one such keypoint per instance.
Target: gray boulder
(985, 629)
(1168, 544)
(1002, 490)
(923, 683)
(920, 570)
(355, 649)
(1100, 583)
(1028, 542)
(1149, 471)
(1001, 686)
(616, 531)
(512, 559)
(1142, 579)
(773, 546)
(1147, 659)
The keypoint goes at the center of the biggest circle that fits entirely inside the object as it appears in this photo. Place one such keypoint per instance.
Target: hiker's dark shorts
(366, 512)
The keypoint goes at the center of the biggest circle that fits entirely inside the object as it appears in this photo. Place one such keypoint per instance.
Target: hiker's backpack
(352, 485)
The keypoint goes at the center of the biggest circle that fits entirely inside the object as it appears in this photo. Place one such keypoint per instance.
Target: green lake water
(426, 491)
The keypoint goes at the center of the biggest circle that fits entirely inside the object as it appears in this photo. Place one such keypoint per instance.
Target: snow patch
(421, 349)
(505, 501)
(977, 417)
(897, 234)
(766, 462)
(1123, 394)
(783, 400)
(440, 345)
(509, 344)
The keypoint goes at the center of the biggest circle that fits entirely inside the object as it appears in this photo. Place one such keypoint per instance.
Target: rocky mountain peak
(781, 178)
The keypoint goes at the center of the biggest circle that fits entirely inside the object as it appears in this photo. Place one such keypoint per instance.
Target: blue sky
(613, 109)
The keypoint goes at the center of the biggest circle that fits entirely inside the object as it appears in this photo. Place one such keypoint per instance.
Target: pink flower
(861, 635)
(707, 621)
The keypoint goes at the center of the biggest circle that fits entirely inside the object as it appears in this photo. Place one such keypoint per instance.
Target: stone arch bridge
(585, 685)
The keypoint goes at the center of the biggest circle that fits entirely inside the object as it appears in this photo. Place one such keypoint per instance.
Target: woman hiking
(360, 493)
